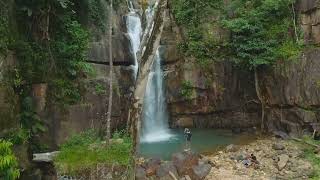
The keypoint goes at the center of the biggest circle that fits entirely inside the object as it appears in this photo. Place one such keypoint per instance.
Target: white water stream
(155, 126)
(133, 23)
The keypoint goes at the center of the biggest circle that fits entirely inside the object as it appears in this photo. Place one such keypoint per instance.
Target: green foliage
(4, 27)
(309, 154)
(262, 32)
(186, 90)
(53, 52)
(19, 136)
(100, 89)
(84, 151)
(8, 162)
(192, 15)
(59, 62)
(96, 14)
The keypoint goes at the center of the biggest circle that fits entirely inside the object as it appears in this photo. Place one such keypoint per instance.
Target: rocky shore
(278, 159)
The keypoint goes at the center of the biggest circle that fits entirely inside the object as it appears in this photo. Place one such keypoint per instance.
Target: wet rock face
(184, 162)
(310, 18)
(90, 112)
(292, 93)
(219, 96)
(99, 45)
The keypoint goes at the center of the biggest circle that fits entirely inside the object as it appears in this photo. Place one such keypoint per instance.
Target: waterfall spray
(155, 117)
(133, 23)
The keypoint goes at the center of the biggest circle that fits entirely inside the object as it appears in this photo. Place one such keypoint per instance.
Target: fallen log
(45, 157)
(305, 142)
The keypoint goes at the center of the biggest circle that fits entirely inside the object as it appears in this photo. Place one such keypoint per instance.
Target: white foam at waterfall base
(155, 126)
(134, 31)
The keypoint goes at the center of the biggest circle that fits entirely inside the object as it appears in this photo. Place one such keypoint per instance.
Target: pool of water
(203, 141)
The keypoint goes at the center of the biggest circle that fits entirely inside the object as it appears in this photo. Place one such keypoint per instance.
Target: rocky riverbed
(278, 159)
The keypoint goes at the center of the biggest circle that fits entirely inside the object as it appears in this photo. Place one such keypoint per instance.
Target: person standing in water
(187, 135)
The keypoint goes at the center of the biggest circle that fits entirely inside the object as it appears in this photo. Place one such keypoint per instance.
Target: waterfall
(133, 23)
(155, 117)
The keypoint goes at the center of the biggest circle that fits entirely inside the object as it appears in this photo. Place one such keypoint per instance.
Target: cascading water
(155, 117)
(134, 30)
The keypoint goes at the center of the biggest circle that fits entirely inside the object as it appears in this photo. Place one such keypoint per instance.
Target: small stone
(187, 177)
(231, 148)
(283, 160)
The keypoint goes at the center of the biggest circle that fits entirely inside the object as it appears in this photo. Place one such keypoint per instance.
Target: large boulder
(152, 165)
(140, 173)
(200, 171)
(165, 169)
(283, 160)
(184, 162)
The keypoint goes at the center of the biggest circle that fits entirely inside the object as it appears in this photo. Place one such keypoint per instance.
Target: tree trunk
(108, 129)
(256, 80)
(294, 22)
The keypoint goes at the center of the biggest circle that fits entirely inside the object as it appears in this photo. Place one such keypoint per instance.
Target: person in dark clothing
(187, 135)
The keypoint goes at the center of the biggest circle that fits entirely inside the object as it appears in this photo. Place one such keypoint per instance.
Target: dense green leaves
(4, 27)
(8, 162)
(262, 32)
(259, 32)
(58, 61)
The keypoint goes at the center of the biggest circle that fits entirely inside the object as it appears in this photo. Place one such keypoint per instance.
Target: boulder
(165, 168)
(278, 146)
(200, 171)
(281, 134)
(187, 177)
(140, 173)
(283, 160)
(184, 161)
(152, 166)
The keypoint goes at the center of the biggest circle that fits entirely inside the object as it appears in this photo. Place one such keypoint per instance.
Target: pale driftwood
(310, 144)
(172, 175)
(45, 157)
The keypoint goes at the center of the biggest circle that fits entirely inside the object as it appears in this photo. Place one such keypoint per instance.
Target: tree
(8, 162)
(108, 129)
(262, 33)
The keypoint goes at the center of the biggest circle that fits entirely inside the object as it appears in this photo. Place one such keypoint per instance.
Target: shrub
(186, 90)
(85, 151)
(8, 162)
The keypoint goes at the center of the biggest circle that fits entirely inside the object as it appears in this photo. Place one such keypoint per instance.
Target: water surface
(203, 141)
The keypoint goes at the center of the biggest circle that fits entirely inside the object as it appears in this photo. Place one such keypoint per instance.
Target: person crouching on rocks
(251, 161)
(187, 135)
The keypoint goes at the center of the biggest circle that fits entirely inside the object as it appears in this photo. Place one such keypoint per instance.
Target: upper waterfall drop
(155, 117)
(133, 23)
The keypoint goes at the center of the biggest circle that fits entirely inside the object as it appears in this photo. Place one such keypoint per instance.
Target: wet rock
(280, 134)
(152, 166)
(164, 169)
(278, 146)
(201, 171)
(283, 160)
(231, 148)
(140, 174)
(166, 177)
(236, 130)
(184, 162)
